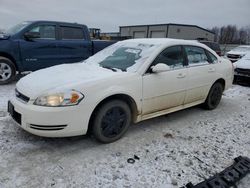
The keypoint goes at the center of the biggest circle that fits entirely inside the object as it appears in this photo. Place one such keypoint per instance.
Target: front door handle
(181, 75)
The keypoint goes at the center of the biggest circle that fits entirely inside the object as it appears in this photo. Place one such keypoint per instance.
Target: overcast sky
(110, 14)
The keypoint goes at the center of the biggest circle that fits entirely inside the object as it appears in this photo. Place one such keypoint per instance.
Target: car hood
(243, 63)
(236, 52)
(66, 76)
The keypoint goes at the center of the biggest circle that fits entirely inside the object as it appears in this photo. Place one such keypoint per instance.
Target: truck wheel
(214, 96)
(7, 71)
(111, 121)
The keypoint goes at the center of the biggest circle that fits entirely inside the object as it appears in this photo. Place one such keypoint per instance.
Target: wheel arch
(222, 82)
(123, 97)
(11, 58)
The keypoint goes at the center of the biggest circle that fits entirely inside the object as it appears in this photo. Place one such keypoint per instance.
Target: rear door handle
(181, 75)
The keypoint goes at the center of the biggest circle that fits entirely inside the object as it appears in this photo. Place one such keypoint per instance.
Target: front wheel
(111, 121)
(7, 71)
(214, 96)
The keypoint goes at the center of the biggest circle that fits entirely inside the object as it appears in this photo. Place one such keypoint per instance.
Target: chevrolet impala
(130, 81)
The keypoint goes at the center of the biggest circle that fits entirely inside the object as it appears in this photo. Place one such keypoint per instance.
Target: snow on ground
(173, 150)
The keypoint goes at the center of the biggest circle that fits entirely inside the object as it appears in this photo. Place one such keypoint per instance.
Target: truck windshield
(124, 56)
(15, 29)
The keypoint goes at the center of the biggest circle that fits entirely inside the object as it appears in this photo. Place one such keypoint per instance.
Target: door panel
(72, 51)
(199, 82)
(164, 90)
(201, 74)
(41, 52)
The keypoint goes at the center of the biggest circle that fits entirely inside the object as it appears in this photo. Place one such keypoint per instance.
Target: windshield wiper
(110, 68)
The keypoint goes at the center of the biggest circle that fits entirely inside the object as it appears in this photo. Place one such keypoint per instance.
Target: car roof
(166, 41)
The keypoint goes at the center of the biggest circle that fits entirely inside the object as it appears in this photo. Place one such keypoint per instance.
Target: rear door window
(212, 58)
(196, 55)
(71, 33)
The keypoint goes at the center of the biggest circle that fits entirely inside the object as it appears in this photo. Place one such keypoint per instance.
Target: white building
(178, 31)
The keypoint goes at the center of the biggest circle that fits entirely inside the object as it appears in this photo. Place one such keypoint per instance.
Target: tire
(7, 71)
(214, 96)
(106, 122)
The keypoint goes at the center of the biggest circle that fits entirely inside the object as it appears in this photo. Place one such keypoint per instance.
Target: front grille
(21, 96)
(233, 56)
(243, 71)
(48, 127)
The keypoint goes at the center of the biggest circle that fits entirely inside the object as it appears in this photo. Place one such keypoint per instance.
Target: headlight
(67, 98)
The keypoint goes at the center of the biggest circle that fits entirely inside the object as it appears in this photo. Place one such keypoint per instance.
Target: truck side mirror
(31, 35)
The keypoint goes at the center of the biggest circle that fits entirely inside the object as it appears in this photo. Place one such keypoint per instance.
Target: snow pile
(170, 151)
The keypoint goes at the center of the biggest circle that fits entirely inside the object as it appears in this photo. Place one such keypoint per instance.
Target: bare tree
(230, 34)
(216, 31)
(242, 36)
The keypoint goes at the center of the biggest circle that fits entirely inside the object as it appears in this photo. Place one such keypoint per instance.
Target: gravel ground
(171, 150)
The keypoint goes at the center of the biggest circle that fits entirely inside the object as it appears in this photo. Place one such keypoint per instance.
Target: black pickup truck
(33, 45)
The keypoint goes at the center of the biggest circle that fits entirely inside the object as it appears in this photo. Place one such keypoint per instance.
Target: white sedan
(237, 53)
(242, 68)
(128, 82)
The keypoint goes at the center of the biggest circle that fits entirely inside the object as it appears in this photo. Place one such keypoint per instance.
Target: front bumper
(233, 60)
(49, 121)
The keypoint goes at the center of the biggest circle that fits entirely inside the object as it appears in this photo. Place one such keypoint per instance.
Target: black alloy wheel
(111, 121)
(214, 96)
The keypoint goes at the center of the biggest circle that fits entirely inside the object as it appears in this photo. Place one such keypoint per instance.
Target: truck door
(73, 45)
(40, 52)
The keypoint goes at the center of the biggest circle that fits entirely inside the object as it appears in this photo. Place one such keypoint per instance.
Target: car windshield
(242, 48)
(123, 56)
(15, 29)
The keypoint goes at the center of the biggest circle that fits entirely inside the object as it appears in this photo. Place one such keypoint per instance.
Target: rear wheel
(214, 96)
(7, 71)
(111, 121)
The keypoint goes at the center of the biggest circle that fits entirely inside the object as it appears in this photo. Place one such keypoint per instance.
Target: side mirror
(160, 67)
(32, 35)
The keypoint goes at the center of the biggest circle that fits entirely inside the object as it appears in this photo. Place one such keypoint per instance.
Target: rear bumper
(49, 121)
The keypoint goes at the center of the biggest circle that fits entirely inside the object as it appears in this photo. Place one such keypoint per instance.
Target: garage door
(158, 34)
(139, 34)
